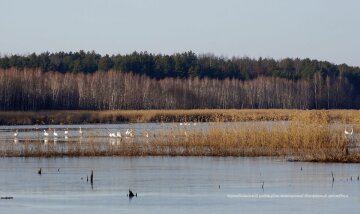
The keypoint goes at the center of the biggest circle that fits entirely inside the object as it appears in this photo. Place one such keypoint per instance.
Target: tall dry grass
(308, 136)
(198, 115)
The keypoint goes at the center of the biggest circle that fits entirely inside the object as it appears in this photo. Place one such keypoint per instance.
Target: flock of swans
(56, 134)
(53, 133)
(128, 132)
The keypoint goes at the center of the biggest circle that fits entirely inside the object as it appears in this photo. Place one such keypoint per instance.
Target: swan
(349, 133)
(80, 131)
(129, 133)
(118, 134)
(66, 132)
(146, 134)
(45, 133)
(16, 133)
(55, 133)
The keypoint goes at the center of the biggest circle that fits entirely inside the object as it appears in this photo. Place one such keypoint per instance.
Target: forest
(87, 80)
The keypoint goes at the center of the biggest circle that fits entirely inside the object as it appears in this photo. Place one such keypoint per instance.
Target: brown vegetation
(309, 136)
(141, 116)
(120, 116)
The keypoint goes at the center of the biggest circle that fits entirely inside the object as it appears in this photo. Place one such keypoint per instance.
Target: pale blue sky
(320, 29)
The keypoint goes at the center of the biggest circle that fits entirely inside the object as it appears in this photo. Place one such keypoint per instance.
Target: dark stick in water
(131, 194)
(6, 198)
(92, 177)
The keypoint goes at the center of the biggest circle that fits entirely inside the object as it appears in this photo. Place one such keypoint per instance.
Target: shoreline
(69, 117)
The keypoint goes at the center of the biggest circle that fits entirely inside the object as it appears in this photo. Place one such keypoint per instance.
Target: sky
(317, 29)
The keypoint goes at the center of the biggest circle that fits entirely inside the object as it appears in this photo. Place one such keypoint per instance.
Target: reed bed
(197, 115)
(120, 116)
(308, 136)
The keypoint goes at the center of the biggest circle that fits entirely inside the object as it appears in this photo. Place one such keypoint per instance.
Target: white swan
(55, 133)
(129, 133)
(45, 133)
(118, 134)
(16, 133)
(349, 133)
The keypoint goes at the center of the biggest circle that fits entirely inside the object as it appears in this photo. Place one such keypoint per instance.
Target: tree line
(141, 80)
(36, 89)
(181, 65)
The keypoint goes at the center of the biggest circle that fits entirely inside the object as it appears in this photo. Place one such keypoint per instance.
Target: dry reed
(308, 136)
(198, 115)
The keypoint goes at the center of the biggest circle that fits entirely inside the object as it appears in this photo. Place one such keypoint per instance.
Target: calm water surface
(100, 132)
(177, 185)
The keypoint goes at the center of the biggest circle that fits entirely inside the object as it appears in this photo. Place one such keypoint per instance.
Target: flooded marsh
(315, 141)
(177, 185)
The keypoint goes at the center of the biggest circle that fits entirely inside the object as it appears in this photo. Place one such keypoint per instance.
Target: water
(100, 132)
(177, 185)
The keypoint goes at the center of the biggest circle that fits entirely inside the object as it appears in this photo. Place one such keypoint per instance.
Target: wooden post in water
(92, 177)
